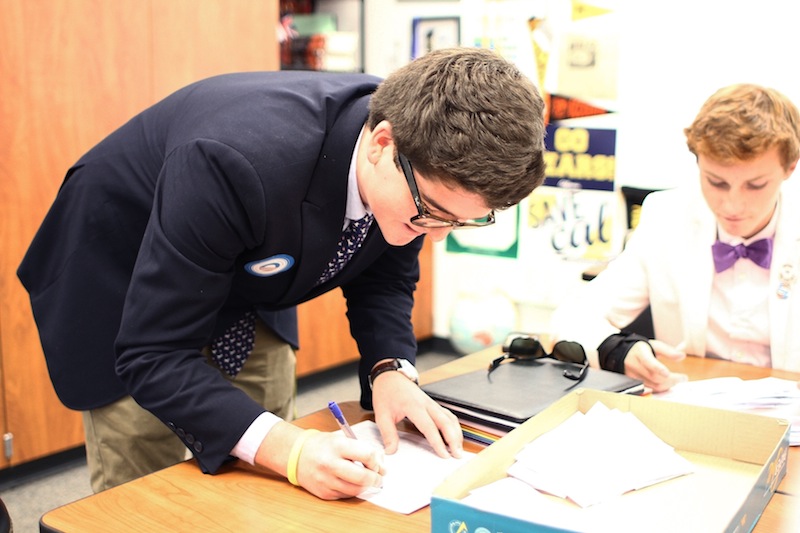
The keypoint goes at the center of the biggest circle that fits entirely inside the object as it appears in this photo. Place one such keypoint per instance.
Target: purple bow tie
(725, 255)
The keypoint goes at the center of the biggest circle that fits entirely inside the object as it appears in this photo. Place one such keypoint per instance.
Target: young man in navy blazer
(227, 201)
(717, 259)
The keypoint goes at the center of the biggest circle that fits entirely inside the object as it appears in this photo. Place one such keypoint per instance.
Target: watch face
(408, 369)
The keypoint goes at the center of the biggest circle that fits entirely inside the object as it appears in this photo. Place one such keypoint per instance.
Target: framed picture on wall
(433, 33)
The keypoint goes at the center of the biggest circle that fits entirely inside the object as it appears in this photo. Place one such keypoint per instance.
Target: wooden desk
(243, 498)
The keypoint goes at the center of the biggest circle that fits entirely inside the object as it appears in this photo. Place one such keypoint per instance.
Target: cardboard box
(739, 461)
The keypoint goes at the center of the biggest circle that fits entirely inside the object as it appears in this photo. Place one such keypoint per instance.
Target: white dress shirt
(738, 313)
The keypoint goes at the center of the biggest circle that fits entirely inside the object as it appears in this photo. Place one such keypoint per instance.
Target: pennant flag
(541, 48)
(541, 51)
(564, 107)
(582, 10)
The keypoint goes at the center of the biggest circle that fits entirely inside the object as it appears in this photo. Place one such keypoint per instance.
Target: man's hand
(395, 397)
(640, 363)
(330, 465)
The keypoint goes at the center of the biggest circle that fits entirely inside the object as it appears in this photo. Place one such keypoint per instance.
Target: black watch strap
(389, 366)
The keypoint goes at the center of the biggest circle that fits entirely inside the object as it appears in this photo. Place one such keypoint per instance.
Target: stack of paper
(596, 456)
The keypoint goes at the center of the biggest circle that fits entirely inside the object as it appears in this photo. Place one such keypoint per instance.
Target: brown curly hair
(743, 121)
(468, 118)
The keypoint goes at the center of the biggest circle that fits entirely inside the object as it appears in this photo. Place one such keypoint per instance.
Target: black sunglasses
(524, 347)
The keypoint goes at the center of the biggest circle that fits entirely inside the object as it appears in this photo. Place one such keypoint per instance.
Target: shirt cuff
(248, 445)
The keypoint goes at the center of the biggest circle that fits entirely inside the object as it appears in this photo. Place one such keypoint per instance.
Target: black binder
(517, 390)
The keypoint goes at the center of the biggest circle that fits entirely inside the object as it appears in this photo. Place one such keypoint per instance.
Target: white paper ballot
(412, 472)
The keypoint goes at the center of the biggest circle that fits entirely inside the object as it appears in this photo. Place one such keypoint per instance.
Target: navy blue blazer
(226, 196)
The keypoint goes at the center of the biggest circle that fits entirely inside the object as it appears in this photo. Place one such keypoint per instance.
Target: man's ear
(382, 133)
(791, 169)
(380, 138)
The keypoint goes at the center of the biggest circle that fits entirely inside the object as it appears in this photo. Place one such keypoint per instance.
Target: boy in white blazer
(717, 264)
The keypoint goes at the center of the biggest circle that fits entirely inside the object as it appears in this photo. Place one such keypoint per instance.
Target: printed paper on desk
(412, 472)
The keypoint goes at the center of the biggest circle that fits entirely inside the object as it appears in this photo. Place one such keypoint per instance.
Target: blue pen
(340, 419)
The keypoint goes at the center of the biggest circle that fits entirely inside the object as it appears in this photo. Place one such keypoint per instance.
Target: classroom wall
(671, 57)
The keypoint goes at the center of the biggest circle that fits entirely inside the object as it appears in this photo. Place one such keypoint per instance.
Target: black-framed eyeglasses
(424, 218)
(524, 347)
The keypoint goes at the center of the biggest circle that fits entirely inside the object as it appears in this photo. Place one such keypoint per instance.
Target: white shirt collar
(355, 208)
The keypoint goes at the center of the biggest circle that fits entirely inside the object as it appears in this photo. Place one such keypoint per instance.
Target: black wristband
(612, 352)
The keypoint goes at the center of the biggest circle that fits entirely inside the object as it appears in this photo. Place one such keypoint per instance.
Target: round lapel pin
(270, 266)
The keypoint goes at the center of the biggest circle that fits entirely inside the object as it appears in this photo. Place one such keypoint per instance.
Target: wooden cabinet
(71, 71)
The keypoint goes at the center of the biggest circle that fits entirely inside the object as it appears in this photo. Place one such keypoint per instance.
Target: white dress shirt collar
(355, 206)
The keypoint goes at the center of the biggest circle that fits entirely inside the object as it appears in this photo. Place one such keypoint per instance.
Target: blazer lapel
(324, 209)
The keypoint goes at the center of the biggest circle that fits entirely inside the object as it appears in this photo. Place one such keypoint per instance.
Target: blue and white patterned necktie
(352, 238)
(230, 350)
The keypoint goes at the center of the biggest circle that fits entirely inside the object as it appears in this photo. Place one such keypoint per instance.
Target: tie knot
(740, 250)
(366, 220)
(350, 242)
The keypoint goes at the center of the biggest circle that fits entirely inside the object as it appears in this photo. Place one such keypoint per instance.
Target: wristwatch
(403, 366)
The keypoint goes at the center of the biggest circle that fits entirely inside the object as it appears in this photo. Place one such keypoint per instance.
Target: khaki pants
(125, 441)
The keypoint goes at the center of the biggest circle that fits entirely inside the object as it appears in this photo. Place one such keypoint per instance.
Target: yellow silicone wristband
(294, 455)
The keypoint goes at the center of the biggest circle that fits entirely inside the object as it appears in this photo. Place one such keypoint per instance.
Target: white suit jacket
(668, 265)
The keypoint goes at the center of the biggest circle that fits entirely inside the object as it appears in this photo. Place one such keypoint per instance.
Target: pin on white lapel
(787, 278)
